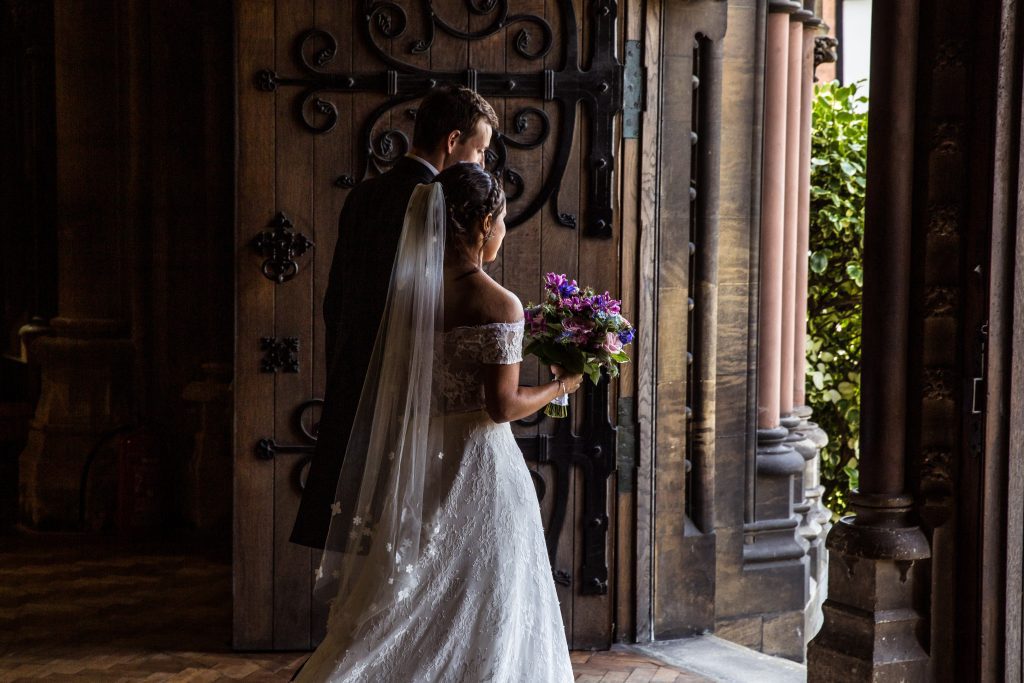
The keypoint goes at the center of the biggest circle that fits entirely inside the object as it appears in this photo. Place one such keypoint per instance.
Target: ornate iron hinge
(634, 91)
(267, 448)
(625, 446)
(593, 451)
(598, 88)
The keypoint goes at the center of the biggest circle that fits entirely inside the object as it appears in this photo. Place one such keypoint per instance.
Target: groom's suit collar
(413, 167)
(429, 166)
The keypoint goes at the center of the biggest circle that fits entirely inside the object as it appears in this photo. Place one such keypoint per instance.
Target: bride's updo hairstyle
(470, 193)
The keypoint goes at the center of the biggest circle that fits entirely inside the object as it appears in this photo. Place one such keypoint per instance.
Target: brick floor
(76, 609)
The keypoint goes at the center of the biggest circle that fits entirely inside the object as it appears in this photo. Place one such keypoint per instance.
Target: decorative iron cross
(599, 88)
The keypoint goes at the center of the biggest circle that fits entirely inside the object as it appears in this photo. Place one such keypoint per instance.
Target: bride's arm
(507, 401)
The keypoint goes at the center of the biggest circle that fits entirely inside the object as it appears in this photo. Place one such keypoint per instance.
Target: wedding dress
(444, 575)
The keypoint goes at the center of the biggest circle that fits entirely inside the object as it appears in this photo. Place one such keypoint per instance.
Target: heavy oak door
(327, 93)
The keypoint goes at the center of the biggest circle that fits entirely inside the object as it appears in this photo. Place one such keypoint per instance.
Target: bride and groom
(434, 564)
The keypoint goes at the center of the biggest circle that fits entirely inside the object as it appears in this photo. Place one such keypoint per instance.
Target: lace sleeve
(503, 343)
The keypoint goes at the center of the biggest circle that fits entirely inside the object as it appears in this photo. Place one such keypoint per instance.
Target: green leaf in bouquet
(557, 354)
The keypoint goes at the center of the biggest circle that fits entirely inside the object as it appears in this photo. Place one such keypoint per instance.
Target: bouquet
(580, 330)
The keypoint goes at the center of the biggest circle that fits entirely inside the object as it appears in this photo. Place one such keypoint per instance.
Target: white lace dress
(484, 606)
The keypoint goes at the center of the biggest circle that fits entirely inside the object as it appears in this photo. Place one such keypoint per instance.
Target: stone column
(812, 25)
(794, 90)
(774, 556)
(877, 556)
(773, 206)
(86, 365)
(816, 518)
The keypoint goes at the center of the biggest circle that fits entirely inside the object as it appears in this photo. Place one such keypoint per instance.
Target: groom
(453, 124)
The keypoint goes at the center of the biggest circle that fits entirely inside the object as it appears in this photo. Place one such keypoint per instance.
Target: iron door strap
(599, 89)
(592, 451)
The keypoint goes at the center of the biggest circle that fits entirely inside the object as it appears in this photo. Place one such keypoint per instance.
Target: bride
(435, 567)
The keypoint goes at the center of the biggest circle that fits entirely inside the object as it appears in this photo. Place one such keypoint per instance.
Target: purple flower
(604, 303)
(577, 304)
(569, 288)
(553, 282)
(576, 331)
(626, 335)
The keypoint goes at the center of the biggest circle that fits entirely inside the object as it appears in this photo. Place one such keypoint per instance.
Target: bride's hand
(572, 382)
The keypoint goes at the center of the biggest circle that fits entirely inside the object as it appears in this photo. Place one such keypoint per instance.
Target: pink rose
(612, 343)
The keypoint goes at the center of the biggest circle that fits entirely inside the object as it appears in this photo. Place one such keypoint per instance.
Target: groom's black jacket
(368, 231)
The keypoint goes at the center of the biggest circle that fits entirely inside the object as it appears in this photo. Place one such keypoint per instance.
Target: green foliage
(835, 280)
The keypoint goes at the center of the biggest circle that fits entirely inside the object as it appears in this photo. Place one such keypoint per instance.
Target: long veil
(391, 480)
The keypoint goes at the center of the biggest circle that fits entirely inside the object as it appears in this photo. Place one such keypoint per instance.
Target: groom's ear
(451, 140)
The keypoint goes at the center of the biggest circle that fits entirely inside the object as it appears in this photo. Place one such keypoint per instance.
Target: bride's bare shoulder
(499, 304)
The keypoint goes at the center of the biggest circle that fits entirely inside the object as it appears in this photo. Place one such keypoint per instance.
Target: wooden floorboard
(75, 608)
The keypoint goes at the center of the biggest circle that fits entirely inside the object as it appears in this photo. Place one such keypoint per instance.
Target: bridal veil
(392, 479)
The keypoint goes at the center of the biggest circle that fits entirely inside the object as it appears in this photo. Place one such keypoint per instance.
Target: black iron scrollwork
(280, 247)
(499, 8)
(279, 354)
(592, 450)
(305, 425)
(597, 88)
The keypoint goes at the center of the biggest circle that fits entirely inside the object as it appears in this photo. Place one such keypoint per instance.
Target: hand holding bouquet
(580, 330)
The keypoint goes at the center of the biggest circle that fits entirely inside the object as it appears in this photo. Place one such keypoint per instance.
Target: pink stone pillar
(794, 87)
(773, 195)
(803, 218)
(773, 552)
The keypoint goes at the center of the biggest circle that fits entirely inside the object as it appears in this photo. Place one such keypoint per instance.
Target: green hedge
(835, 280)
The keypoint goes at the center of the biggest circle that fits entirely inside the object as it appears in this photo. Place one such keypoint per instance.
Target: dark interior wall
(28, 272)
(167, 92)
(184, 295)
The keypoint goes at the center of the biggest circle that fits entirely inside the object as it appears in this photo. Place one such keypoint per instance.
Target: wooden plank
(293, 318)
(574, 194)
(253, 549)
(999, 577)
(1014, 301)
(646, 347)
(629, 189)
(488, 54)
(449, 53)
(521, 268)
(558, 254)
(332, 156)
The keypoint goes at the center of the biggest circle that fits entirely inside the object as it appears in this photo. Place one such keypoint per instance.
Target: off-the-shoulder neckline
(473, 327)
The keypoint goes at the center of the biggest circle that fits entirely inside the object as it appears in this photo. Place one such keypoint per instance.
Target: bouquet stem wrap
(558, 408)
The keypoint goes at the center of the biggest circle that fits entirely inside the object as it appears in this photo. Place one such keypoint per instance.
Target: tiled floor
(72, 610)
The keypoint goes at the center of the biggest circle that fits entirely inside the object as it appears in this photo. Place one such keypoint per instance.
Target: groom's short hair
(447, 108)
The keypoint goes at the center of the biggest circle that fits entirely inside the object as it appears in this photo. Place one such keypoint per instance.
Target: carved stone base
(772, 536)
(870, 627)
(85, 394)
(817, 519)
(774, 554)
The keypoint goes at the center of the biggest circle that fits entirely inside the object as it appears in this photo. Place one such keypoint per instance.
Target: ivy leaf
(819, 262)
(855, 271)
(847, 389)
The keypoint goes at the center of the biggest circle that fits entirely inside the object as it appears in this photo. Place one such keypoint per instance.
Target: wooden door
(327, 91)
